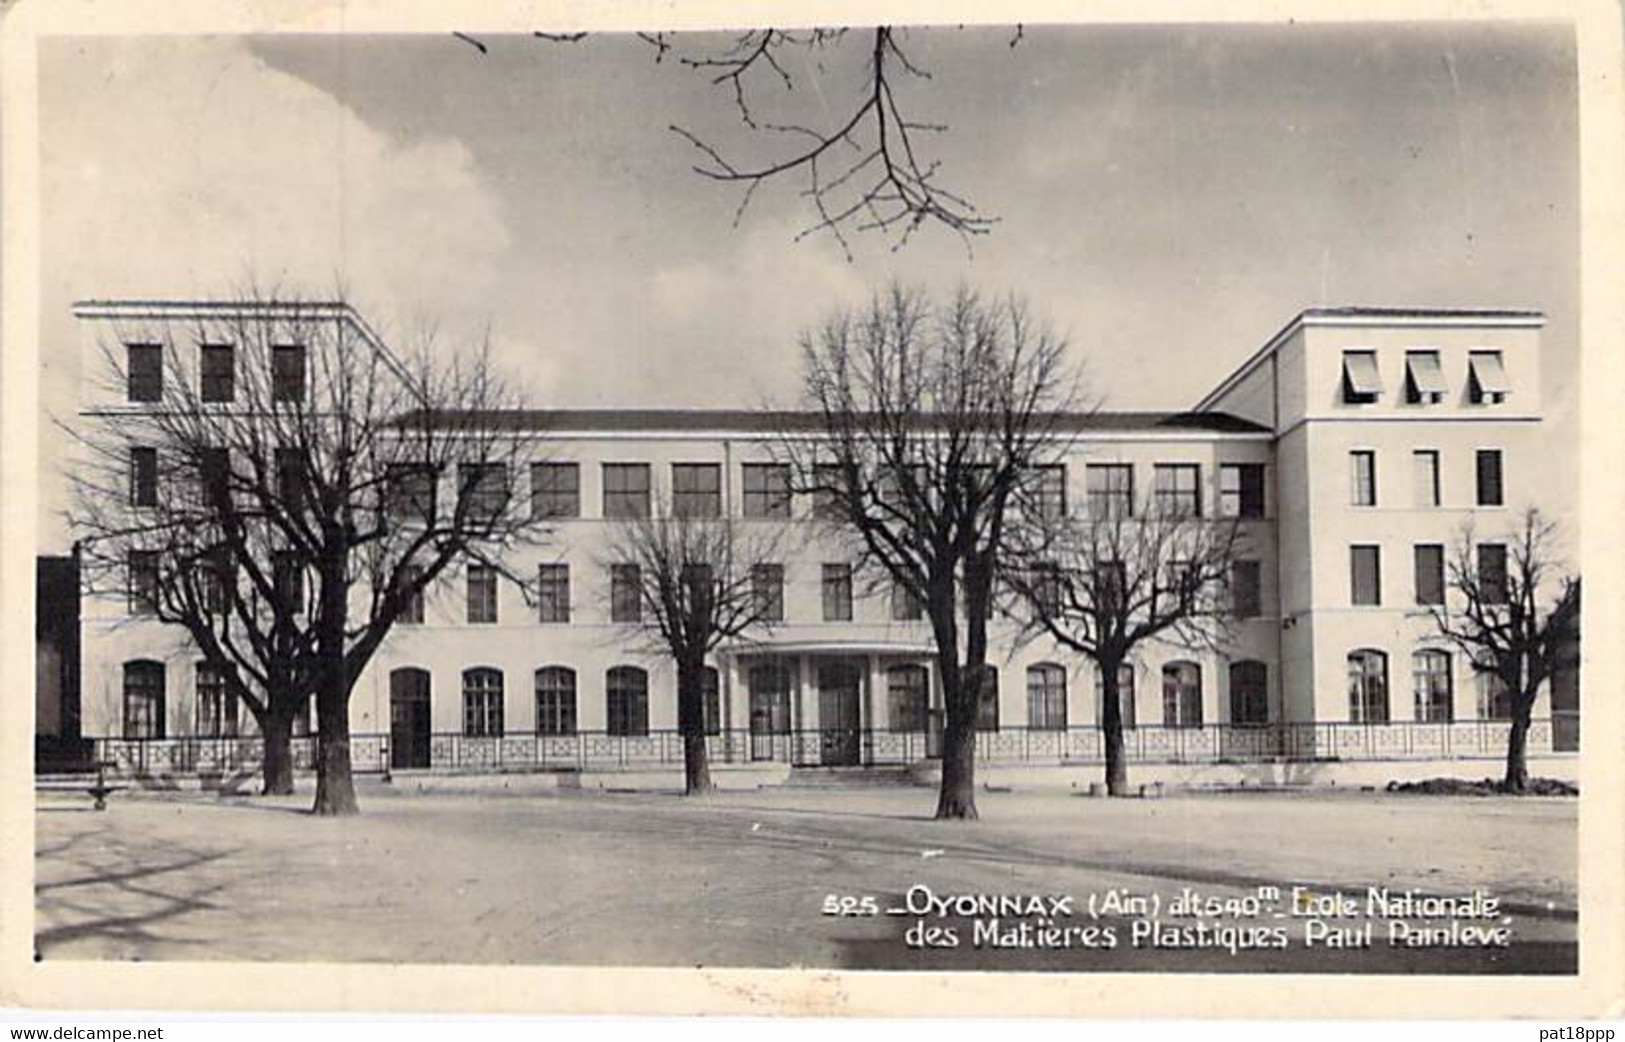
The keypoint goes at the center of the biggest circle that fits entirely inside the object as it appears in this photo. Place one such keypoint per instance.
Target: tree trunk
(1517, 775)
(957, 798)
(277, 733)
(335, 787)
(1111, 725)
(691, 724)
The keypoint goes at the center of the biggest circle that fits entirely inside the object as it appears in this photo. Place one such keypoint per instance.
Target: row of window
(217, 372)
(1424, 383)
(1489, 585)
(1432, 683)
(1490, 484)
(217, 711)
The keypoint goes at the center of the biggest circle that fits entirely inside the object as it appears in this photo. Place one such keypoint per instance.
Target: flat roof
(768, 421)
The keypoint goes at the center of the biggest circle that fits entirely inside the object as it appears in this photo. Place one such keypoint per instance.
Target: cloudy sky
(1168, 196)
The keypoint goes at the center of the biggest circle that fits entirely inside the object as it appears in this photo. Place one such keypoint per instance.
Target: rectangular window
(1492, 573)
(1487, 382)
(410, 493)
(288, 373)
(218, 368)
(1046, 593)
(625, 593)
(626, 490)
(1110, 489)
(1491, 492)
(1049, 492)
(1365, 575)
(696, 490)
(837, 590)
(1246, 589)
(1178, 489)
(1429, 573)
(1241, 490)
(767, 586)
(484, 487)
(143, 569)
(144, 372)
(553, 592)
(767, 490)
(482, 594)
(1424, 379)
(290, 479)
(1362, 383)
(412, 613)
(827, 497)
(143, 477)
(555, 491)
(214, 579)
(214, 477)
(1425, 477)
(905, 604)
(288, 577)
(1363, 478)
(216, 710)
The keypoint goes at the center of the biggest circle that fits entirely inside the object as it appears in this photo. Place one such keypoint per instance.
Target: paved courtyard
(742, 879)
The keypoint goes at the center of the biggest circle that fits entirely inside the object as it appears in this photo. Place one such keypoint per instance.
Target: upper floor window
(1182, 694)
(1049, 491)
(410, 492)
(288, 373)
(696, 490)
(553, 592)
(1430, 669)
(143, 476)
(485, 486)
(1492, 573)
(1178, 489)
(1491, 490)
(482, 703)
(1110, 489)
(214, 477)
(828, 495)
(555, 491)
(837, 592)
(143, 575)
(1246, 589)
(1362, 384)
(1368, 686)
(1429, 573)
(217, 367)
(625, 593)
(767, 490)
(1365, 575)
(626, 490)
(288, 580)
(1425, 477)
(482, 594)
(1424, 379)
(1363, 478)
(1241, 490)
(906, 605)
(144, 372)
(1487, 382)
(290, 479)
(767, 586)
(410, 580)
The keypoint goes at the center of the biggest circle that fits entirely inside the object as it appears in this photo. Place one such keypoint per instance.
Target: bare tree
(1117, 575)
(294, 511)
(930, 420)
(1514, 612)
(686, 585)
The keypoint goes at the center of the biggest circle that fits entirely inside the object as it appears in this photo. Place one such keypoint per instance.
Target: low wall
(1287, 774)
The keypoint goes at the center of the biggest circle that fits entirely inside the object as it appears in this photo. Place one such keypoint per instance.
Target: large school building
(1354, 448)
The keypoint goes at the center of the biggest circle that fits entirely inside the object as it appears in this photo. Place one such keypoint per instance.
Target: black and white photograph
(1038, 496)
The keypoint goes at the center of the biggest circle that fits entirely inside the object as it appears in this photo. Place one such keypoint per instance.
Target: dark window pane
(1429, 574)
(144, 372)
(288, 373)
(218, 366)
(1490, 490)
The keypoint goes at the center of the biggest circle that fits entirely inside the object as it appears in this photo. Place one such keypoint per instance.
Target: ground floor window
(711, 700)
(216, 707)
(1046, 697)
(1249, 693)
(482, 702)
(906, 697)
(1494, 697)
(555, 700)
(627, 693)
(1430, 669)
(1125, 695)
(987, 699)
(1182, 694)
(769, 699)
(1368, 686)
(144, 699)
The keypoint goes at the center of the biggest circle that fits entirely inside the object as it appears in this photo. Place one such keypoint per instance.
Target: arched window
(1249, 693)
(1182, 694)
(555, 700)
(1046, 697)
(769, 699)
(906, 697)
(1494, 697)
(1368, 686)
(144, 699)
(1125, 695)
(627, 691)
(482, 702)
(987, 699)
(1430, 669)
(711, 700)
(216, 707)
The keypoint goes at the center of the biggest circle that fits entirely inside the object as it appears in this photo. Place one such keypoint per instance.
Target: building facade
(1353, 449)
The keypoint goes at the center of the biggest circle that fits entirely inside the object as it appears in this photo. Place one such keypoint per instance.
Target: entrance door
(409, 718)
(838, 713)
